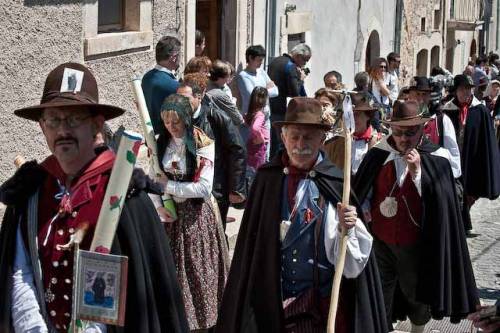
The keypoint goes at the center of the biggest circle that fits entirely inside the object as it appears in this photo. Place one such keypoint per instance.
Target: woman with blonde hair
(186, 156)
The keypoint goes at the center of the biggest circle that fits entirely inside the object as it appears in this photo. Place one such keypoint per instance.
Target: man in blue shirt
(160, 82)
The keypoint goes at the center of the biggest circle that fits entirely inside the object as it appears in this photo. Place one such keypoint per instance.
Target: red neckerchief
(104, 161)
(366, 135)
(464, 110)
(295, 175)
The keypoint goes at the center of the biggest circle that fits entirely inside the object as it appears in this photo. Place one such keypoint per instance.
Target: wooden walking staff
(339, 268)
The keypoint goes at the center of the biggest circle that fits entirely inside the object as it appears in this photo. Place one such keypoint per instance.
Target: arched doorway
(372, 49)
(435, 56)
(473, 50)
(422, 56)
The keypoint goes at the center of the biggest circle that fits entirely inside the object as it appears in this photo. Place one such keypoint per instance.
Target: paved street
(484, 250)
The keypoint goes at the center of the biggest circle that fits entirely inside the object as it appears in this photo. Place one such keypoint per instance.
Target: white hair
(301, 49)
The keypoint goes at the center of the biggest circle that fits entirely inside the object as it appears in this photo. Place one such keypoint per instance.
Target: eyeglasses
(407, 133)
(383, 66)
(73, 121)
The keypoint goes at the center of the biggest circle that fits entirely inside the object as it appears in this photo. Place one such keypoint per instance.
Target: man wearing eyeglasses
(48, 202)
(407, 186)
(288, 72)
(392, 79)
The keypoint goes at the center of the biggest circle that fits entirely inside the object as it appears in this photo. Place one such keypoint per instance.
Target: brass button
(60, 232)
(55, 264)
(53, 280)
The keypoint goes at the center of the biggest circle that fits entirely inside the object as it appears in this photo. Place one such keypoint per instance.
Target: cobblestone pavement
(484, 251)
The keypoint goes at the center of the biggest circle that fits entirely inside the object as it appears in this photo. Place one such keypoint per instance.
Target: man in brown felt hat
(408, 193)
(364, 136)
(284, 261)
(48, 201)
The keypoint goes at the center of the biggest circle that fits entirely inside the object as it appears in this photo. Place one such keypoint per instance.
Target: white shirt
(164, 69)
(359, 243)
(359, 148)
(202, 188)
(392, 82)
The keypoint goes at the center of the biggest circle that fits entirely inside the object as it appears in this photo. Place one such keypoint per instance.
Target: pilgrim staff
(348, 126)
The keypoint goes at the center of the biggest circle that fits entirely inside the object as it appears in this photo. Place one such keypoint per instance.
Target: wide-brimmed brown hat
(407, 113)
(361, 102)
(304, 111)
(72, 85)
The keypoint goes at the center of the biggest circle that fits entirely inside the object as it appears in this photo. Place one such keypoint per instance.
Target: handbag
(303, 314)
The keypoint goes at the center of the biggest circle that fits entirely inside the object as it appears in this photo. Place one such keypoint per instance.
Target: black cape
(252, 299)
(446, 280)
(154, 300)
(480, 153)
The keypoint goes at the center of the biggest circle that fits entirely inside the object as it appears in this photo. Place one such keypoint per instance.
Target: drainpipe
(398, 24)
(359, 40)
(498, 25)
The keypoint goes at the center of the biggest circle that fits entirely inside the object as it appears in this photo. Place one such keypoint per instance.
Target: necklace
(389, 206)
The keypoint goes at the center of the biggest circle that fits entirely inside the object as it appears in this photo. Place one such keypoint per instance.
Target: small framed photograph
(101, 287)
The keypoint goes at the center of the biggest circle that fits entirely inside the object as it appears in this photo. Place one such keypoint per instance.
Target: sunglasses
(383, 66)
(407, 133)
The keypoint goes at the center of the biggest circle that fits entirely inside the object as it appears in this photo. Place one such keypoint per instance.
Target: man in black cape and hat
(48, 202)
(407, 189)
(477, 143)
(284, 261)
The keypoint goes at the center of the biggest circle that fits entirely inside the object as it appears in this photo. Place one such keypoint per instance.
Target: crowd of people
(420, 155)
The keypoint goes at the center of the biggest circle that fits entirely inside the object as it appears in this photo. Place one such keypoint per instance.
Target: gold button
(65, 263)
(53, 280)
(66, 297)
(73, 215)
(55, 264)
(53, 313)
(66, 314)
(71, 230)
(60, 232)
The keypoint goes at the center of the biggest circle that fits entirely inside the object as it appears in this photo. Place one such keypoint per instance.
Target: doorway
(372, 49)
(208, 14)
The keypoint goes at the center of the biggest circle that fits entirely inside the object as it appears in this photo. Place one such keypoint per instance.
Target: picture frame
(100, 287)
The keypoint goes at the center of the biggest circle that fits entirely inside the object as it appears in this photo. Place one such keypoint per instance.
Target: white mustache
(305, 151)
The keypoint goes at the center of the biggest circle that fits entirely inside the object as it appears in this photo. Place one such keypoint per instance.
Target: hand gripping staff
(348, 127)
(149, 136)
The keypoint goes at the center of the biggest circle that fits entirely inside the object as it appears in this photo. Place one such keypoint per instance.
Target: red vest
(399, 229)
(83, 206)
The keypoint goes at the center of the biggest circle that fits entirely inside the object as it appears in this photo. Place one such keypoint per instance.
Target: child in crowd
(259, 132)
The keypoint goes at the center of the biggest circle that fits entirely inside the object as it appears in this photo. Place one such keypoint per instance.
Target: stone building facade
(344, 35)
(446, 33)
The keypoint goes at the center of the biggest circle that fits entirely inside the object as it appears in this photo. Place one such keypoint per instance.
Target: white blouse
(174, 162)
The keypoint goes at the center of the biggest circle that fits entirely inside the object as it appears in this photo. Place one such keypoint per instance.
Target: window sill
(117, 42)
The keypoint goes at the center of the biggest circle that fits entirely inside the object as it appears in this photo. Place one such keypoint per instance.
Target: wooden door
(208, 17)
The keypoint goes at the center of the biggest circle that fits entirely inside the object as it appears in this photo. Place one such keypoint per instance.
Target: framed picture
(100, 287)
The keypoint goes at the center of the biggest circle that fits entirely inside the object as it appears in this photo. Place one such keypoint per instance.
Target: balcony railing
(466, 11)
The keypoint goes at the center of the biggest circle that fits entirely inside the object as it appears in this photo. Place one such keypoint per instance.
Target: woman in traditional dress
(197, 240)
(364, 137)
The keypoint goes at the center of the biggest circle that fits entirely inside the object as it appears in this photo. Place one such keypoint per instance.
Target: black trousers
(398, 267)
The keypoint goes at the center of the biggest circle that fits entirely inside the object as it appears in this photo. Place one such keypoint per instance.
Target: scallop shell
(389, 207)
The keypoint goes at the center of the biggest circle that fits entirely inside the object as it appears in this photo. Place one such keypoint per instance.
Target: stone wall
(36, 36)
(413, 39)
